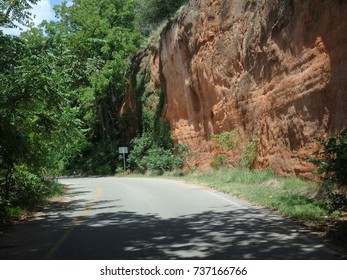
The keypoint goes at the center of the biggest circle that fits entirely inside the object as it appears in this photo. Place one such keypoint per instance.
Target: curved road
(136, 218)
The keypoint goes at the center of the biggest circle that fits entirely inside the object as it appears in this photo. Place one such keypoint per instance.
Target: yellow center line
(75, 223)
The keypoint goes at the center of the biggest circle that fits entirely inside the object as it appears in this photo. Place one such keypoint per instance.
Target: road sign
(123, 150)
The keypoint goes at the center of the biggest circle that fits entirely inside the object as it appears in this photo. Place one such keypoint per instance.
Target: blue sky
(56, 2)
(42, 11)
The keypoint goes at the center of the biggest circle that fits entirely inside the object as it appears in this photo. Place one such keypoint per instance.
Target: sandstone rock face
(275, 70)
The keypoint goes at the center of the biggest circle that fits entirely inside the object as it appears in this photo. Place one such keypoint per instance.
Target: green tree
(14, 12)
(333, 160)
(332, 163)
(39, 131)
(98, 39)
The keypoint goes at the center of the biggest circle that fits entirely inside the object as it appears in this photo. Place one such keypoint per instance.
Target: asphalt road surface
(134, 218)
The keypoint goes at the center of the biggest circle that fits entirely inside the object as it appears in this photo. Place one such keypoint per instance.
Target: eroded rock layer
(275, 70)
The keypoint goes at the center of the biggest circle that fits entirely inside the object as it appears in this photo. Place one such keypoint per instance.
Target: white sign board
(123, 150)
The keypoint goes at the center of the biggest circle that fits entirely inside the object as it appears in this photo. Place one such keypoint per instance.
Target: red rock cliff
(275, 70)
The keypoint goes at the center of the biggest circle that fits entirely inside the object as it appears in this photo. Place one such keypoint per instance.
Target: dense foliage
(332, 163)
(153, 12)
(98, 39)
(151, 155)
(16, 12)
(62, 85)
(152, 149)
(39, 131)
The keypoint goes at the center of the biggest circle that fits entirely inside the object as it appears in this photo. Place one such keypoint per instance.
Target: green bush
(139, 149)
(227, 139)
(14, 213)
(104, 169)
(249, 154)
(332, 166)
(333, 160)
(147, 155)
(28, 191)
(337, 200)
(218, 161)
(230, 141)
(181, 153)
(158, 160)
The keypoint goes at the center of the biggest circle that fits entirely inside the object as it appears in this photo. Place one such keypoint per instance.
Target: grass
(290, 197)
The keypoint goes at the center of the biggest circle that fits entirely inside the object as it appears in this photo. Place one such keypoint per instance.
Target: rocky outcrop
(275, 70)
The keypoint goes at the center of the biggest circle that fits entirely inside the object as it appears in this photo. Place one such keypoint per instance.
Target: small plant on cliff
(227, 139)
(332, 166)
(226, 142)
(230, 141)
(219, 161)
(249, 154)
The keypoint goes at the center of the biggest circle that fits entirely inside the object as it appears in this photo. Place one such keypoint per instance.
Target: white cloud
(43, 10)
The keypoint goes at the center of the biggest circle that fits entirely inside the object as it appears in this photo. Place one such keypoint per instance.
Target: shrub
(140, 147)
(332, 163)
(13, 213)
(104, 169)
(227, 139)
(28, 191)
(230, 141)
(333, 160)
(337, 200)
(181, 152)
(249, 154)
(147, 155)
(218, 161)
(158, 160)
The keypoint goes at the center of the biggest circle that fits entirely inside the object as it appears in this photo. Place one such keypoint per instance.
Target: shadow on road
(215, 234)
(209, 235)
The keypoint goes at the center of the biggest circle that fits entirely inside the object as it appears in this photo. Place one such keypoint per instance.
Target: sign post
(123, 151)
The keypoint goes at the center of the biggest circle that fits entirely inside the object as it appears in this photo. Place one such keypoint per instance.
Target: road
(135, 218)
